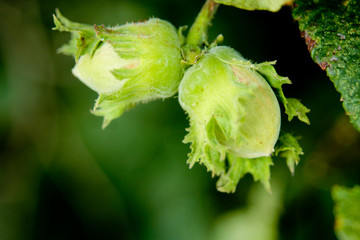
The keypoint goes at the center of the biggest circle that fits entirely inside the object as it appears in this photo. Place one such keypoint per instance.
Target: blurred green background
(63, 177)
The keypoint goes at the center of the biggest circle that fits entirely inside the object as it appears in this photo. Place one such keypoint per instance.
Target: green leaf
(70, 49)
(332, 34)
(347, 212)
(63, 24)
(289, 148)
(83, 37)
(110, 107)
(259, 168)
(293, 107)
(269, 5)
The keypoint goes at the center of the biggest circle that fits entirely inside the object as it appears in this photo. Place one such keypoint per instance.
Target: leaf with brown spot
(331, 29)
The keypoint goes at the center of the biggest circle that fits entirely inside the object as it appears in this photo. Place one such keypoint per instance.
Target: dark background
(63, 177)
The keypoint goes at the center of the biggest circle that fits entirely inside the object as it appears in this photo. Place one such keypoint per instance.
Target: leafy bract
(228, 167)
(347, 212)
(293, 106)
(259, 168)
(83, 37)
(332, 33)
(289, 148)
(269, 5)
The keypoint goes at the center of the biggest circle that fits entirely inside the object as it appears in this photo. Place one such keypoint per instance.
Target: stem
(198, 32)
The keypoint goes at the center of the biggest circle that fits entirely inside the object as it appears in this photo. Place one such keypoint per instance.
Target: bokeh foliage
(62, 177)
(347, 212)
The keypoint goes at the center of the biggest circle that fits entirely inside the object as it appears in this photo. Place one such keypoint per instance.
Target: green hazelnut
(232, 109)
(126, 64)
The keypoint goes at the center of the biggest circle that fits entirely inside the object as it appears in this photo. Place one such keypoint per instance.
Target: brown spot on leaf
(309, 42)
(324, 65)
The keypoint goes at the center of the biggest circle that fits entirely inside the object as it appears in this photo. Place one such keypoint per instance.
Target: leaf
(259, 168)
(332, 34)
(70, 49)
(293, 107)
(83, 37)
(64, 24)
(289, 148)
(269, 5)
(110, 108)
(347, 212)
